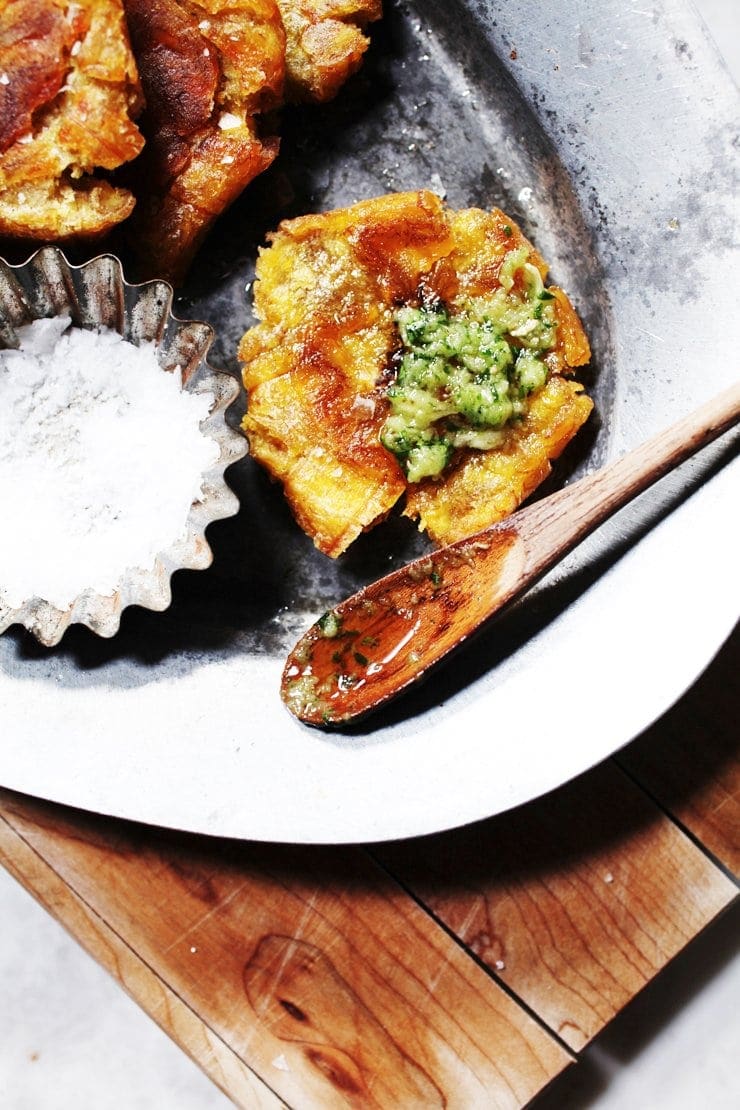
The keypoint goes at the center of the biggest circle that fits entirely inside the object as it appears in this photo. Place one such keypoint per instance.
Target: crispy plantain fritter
(407, 348)
(325, 43)
(201, 74)
(208, 69)
(69, 95)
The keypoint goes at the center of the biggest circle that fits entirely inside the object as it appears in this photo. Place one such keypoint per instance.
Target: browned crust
(326, 42)
(207, 70)
(316, 367)
(33, 42)
(69, 94)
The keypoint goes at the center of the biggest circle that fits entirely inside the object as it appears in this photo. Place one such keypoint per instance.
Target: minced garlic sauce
(461, 378)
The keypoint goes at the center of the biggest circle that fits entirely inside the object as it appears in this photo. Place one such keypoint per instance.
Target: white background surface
(70, 1038)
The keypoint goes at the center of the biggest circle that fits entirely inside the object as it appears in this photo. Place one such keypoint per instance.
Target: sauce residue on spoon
(373, 644)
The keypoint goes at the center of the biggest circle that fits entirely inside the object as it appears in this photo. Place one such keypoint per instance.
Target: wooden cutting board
(463, 969)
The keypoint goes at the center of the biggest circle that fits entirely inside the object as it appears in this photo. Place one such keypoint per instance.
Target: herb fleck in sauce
(462, 377)
(389, 634)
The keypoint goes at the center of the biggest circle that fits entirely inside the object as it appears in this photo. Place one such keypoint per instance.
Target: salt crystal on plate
(101, 458)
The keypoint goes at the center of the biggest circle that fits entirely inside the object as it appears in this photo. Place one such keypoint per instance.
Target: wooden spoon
(379, 641)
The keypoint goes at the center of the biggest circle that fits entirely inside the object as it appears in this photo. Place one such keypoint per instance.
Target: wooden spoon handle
(557, 524)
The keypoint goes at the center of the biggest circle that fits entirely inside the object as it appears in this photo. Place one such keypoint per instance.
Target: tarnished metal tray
(607, 132)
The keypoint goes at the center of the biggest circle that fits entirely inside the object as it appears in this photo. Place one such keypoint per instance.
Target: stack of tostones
(406, 348)
(209, 69)
(69, 94)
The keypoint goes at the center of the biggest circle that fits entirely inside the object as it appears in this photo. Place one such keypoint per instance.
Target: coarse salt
(101, 458)
(229, 122)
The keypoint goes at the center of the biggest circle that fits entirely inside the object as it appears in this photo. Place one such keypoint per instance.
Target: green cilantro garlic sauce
(337, 653)
(462, 378)
(330, 624)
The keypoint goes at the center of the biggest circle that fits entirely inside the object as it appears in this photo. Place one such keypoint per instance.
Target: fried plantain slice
(325, 44)
(69, 95)
(482, 487)
(208, 69)
(487, 486)
(348, 408)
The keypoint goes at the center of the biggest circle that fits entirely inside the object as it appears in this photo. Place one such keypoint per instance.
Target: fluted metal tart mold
(96, 294)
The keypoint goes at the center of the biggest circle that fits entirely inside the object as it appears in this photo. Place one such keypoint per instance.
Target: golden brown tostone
(316, 368)
(69, 94)
(325, 44)
(208, 69)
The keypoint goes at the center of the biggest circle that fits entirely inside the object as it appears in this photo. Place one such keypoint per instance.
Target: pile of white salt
(101, 458)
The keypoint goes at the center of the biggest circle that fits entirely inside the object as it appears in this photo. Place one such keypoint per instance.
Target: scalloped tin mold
(97, 295)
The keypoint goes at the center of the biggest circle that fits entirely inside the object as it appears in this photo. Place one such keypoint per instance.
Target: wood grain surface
(574, 901)
(689, 760)
(459, 970)
(116, 955)
(309, 965)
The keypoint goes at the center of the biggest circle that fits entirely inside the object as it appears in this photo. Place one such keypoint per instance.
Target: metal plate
(608, 132)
